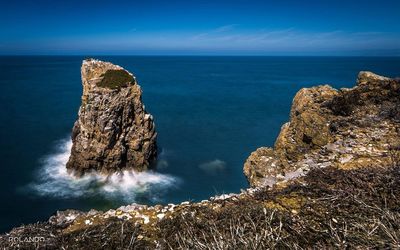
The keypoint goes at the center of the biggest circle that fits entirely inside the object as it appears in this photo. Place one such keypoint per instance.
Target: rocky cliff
(346, 129)
(331, 182)
(113, 130)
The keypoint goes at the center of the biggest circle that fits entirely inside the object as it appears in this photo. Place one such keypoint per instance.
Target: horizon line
(189, 55)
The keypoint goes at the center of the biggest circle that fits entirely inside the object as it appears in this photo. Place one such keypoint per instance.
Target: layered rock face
(346, 128)
(113, 131)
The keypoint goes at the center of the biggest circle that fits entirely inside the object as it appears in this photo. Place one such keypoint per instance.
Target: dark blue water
(210, 114)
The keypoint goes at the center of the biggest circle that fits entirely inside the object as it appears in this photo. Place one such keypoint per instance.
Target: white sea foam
(213, 167)
(55, 181)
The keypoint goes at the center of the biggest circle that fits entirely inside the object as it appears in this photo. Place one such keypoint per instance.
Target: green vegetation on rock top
(115, 79)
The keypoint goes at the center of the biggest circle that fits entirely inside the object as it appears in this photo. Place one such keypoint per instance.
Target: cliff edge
(345, 129)
(113, 130)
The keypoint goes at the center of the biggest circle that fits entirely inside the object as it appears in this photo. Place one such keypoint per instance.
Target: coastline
(328, 195)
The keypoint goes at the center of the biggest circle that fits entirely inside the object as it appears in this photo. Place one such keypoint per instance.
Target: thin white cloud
(218, 30)
(290, 39)
(225, 28)
(225, 39)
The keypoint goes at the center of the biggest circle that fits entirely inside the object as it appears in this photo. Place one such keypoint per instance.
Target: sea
(210, 114)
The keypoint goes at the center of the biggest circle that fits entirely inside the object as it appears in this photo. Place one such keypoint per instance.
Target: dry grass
(355, 209)
(328, 209)
(394, 154)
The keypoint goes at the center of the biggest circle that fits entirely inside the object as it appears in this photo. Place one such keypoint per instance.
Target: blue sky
(150, 27)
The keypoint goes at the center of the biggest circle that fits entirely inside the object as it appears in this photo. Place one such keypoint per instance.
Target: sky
(214, 27)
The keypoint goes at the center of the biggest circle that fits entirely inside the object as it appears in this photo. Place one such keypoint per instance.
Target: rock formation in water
(346, 128)
(335, 170)
(113, 130)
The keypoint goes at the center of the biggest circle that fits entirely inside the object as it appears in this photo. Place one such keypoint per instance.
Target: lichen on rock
(113, 130)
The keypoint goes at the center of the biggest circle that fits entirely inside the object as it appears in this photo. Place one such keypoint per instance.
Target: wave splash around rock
(113, 130)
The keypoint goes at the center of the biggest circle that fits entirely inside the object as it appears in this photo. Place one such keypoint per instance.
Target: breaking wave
(54, 180)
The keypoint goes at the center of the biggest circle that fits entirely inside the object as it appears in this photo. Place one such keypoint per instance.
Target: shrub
(115, 79)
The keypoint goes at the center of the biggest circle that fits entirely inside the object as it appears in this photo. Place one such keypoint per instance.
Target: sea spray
(55, 181)
(214, 167)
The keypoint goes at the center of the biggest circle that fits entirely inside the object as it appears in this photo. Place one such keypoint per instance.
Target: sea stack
(113, 130)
